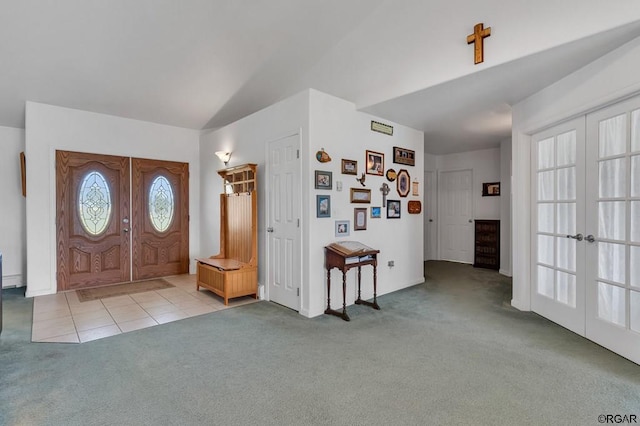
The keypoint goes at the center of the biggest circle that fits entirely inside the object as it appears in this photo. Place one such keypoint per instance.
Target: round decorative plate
(391, 175)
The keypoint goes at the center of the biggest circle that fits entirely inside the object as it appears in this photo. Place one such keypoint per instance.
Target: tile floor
(63, 318)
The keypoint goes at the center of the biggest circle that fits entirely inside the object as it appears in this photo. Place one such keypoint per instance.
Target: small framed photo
(342, 228)
(404, 156)
(402, 182)
(360, 195)
(491, 189)
(375, 213)
(323, 180)
(360, 219)
(415, 188)
(393, 209)
(375, 163)
(349, 167)
(323, 205)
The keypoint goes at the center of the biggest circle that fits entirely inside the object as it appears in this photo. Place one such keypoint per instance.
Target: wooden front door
(92, 210)
(160, 218)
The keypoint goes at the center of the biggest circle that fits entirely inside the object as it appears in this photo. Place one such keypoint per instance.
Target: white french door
(558, 221)
(586, 226)
(613, 224)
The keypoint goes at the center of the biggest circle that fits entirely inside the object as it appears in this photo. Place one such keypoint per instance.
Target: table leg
(330, 311)
(359, 301)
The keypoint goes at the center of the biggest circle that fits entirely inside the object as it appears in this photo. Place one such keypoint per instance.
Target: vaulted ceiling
(206, 63)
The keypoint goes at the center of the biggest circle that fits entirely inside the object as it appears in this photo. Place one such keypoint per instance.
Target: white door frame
(267, 217)
(431, 213)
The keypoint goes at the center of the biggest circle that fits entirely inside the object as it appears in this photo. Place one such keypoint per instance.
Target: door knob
(578, 237)
(430, 220)
(269, 229)
(590, 238)
(470, 220)
(125, 230)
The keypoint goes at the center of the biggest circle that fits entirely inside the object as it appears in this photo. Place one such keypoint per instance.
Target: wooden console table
(336, 256)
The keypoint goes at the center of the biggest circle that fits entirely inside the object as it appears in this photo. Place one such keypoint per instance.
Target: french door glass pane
(567, 184)
(635, 221)
(611, 303)
(611, 262)
(635, 266)
(566, 254)
(613, 136)
(566, 288)
(611, 220)
(545, 154)
(635, 176)
(545, 186)
(545, 249)
(613, 178)
(635, 311)
(566, 148)
(635, 130)
(545, 218)
(545, 281)
(567, 218)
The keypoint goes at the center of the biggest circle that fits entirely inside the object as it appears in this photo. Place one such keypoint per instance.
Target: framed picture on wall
(393, 209)
(349, 167)
(359, 219)
(375, 163)
(375, 212)
(323, 205)
(323, 179)
(402, 183)
(360, 195)
(342, 228)
(404, 156)
(491, 189)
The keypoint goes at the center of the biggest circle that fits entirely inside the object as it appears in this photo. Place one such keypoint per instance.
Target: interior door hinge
(298, 291)
(297, 153)
(298, 223)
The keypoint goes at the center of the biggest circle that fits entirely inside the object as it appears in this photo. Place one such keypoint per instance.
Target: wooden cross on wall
(478, 36)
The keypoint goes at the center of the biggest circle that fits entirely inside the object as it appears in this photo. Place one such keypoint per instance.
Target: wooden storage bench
(234, 271)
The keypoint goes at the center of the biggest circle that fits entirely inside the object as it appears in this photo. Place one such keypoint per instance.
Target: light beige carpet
(88, 294)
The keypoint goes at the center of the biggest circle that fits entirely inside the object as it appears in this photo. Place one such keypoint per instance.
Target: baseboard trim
(520, 306)
(9, 281)
(505, 273)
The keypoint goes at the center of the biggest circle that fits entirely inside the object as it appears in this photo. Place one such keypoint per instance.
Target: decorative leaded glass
(161, 204)
(94, 203)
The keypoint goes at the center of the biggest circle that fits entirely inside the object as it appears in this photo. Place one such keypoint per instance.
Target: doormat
(88, 294)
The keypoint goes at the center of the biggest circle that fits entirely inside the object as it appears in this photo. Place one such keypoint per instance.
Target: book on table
(350, 248)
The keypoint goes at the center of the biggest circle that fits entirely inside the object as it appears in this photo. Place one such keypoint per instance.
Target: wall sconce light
(224, 156)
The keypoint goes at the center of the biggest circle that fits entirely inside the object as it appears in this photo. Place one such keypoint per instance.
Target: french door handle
(269, 229)
(590, 238)
(578, 237)
(125, 230)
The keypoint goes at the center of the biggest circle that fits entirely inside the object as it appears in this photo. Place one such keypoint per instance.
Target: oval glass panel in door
(161, 204)
(94, 203)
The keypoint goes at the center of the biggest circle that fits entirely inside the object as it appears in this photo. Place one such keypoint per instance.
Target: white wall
(247, 139)
(327, 122)
(606, 80)
(50, 128)
(485, 165)
(13, 244)
(343, 132)
(505, 207)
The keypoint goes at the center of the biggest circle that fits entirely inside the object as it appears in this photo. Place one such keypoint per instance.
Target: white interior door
(429, 216)
(283, 222)
(558, 223)
(456, 215)
(613, 223)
